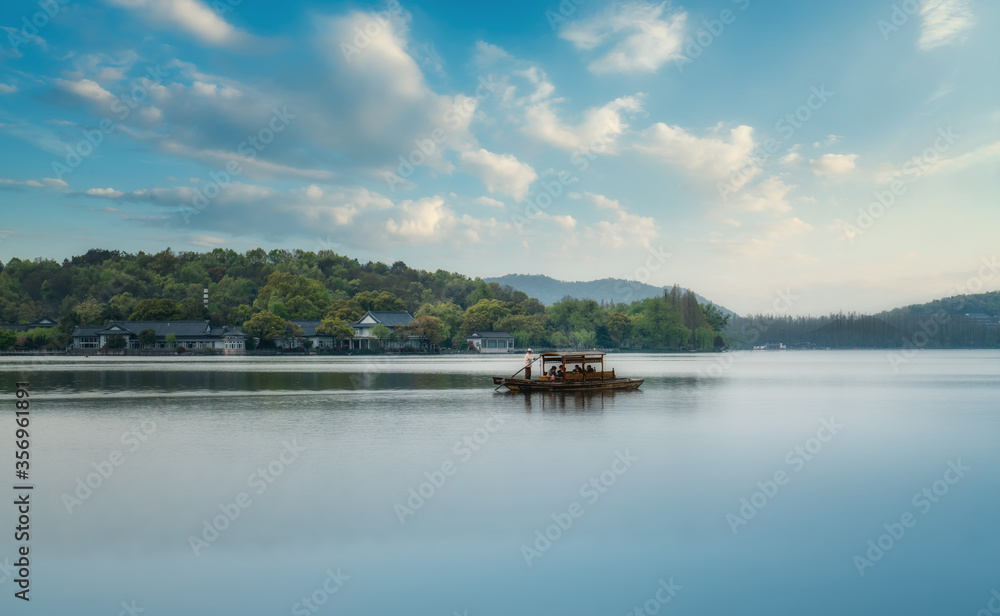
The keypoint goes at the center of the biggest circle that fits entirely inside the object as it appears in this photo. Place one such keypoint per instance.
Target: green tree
(425, 326)
(659, 325)
(164, 309)
(304, 298)
(264, 326)
(531, 326)
(336, 328)
(89, 313)
(346, 310)
(559, 340)
(147, 338)
(381, 333)
(584, 338)
(619, 326)
(379, 301)
(483, 316)
(7, 339)
(122, 305)
(116, 341)
(714, 316)
(171, 340)
(449, 313)
(240, 314)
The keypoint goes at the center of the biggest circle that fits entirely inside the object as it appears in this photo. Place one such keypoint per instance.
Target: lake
(806, 482)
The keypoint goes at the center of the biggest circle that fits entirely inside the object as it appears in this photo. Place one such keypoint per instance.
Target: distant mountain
(549, 290)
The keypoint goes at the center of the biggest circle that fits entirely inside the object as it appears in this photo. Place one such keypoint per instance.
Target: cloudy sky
(844, 154)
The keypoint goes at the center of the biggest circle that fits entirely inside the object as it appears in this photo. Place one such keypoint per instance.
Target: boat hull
(527, 386)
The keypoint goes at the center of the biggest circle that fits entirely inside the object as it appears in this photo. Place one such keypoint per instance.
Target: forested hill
(264, 291)
(610, 290)
(961, 321)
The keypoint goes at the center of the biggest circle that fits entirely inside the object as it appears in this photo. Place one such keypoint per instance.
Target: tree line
(263, 292)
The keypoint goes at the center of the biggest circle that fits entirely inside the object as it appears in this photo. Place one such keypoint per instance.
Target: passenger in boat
(560, 374)
(577, 369)
(527, 364)
(552, 372)
(591, 369)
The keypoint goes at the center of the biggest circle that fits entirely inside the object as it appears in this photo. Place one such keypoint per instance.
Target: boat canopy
(592, 357)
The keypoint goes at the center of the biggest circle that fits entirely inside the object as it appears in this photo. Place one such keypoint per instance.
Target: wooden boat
(598, 380)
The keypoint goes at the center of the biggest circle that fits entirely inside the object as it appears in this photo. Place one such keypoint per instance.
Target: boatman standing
(527, 364)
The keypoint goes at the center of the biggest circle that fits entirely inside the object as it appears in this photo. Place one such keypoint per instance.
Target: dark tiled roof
(309, 328)
(227, 330)
(389, 319)
(490, 335)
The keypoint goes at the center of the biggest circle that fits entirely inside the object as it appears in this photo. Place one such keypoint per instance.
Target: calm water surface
(324, 453)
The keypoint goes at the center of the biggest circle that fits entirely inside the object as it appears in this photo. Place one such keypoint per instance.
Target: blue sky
(842, 154)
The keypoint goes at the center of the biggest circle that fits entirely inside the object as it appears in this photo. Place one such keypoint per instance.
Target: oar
(515, 374)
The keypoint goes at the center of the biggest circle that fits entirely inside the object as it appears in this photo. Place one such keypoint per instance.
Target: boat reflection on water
(573, 401)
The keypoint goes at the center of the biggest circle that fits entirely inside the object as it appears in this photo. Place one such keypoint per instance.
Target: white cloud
(501, 173)
(769, 195)
(45, 182)
(86, 89)
(834, 164)
(943, 22)
(424, 220)
(487, 54)
(487, 201)
(624, 230)
(375, 101)
(710, 158)
(109, 193)
(338, 207)
(601, 126)
(786, 228)
(829, 140)
(7, 89)
(192, 16)
(640, 36)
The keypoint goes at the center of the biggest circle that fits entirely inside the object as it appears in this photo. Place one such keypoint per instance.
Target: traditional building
(491, 342)
(319, 340)
(192, 335)
(43, 322)
(363, 338)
